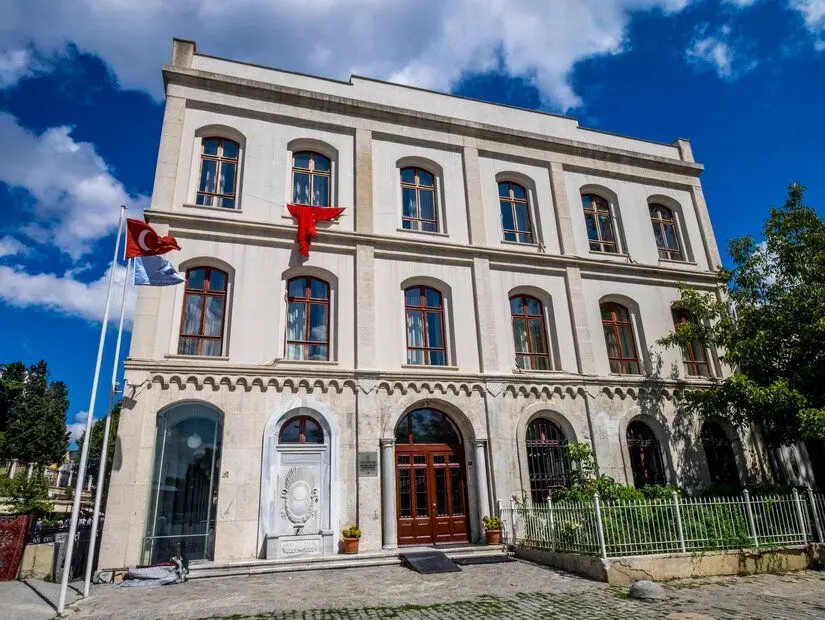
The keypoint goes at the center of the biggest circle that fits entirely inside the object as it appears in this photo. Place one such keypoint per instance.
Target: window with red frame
(219, 173)
(664, 231)
(694, 356)
(620, 340)
(204, 311)
(424, 308)
(515, 213)
(418, 200)
(301, 429)
(529, 334)
(311, 179)
(307, 336)
(601, 233)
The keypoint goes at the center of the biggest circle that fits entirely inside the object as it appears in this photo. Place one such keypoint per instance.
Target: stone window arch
(547, 461)
(646, 460)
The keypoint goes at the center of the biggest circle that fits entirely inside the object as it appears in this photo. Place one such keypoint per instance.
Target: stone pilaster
(564, 222)
(480, 446)
(578, 317)
(485, 317)
(363, 180)
(389, 525)
(364, 307)
(705, 228)
(476, 221)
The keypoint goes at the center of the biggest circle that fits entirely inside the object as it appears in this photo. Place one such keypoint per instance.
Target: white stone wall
(369, 129)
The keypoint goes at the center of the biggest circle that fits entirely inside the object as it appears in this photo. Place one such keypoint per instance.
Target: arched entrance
(719, 455)
(547, 460)
(431, 483)
(645, 455)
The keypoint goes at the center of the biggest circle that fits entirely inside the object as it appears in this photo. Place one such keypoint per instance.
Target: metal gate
(13, 531)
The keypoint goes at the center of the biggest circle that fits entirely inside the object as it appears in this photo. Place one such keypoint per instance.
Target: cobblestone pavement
(517, 590)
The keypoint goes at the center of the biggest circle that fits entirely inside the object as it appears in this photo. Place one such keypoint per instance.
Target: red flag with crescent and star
(142, 240)
(307, 216)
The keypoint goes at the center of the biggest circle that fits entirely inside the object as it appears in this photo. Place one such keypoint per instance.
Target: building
(494, 288)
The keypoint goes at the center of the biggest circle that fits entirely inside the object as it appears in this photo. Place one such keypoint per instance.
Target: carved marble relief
(299, 496)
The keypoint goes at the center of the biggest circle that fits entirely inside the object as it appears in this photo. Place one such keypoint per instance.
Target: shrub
(491, 523)
(352, 532)
(29, 495)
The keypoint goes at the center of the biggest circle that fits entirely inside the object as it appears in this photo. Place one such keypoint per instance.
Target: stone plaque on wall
(368, 464)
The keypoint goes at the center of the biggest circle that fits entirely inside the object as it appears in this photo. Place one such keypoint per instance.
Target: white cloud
(428, 43)
(741, 3)
(76, 198)
(9, 246)
(813, 12)
(78, 427)
(716, 50)
(14, 66)
(65, 294)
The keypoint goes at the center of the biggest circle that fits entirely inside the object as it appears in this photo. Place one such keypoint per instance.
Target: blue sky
(81, 109)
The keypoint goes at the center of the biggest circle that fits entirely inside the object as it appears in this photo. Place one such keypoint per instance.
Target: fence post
(749, 513)
(514, 519)
(815, 513)
(552, 522)
(802, 527)
(679, 529)
(600, 530)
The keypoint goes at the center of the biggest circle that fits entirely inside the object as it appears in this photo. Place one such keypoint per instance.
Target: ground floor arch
(719, 455)
(646, 462)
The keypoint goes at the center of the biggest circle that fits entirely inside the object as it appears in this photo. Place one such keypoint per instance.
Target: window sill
(428, 367)
(291, 218)
(197, 358)
(281, 362)
(519, 244)
(422, 232)
(189, 205)
(670, 261)
(623, 255)
(537, 372)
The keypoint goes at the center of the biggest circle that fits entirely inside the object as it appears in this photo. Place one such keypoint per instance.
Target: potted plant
(352, 536)
(492, 529)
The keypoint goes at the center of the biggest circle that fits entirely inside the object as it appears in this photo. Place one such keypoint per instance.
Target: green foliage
(352, 532)
(491, 523)
(32, 414)
(774, 339)
(5, 482)
(29, 495)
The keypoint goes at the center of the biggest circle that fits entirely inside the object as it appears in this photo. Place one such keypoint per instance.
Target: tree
(772, 331)
(29, 495)
(35, 412)
(96, 445)
(12, 381)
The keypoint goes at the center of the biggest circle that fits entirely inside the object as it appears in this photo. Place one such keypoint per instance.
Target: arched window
(515, 213)
(719, 455)
(600, 230)
(620, 340)
(219, 173)
(664, 231)
(529, 334)
(418, 200)
(204, 310)
(424, 309)
(694, 356)
(428, 426)
(311, 179)
(184, 498)
(307, 335)
(301, 429)
(547, 459)
(645, 455)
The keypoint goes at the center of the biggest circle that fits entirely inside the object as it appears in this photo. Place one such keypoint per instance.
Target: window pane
(408, 202)
(429, 226)
(321, 162)
(211, 347)
(188, 346)
(202, 199)
(227, 180)
(438, 358)
(296, 321)
(616, 367)
(670, 237)
(610, 341)
(504, 190)
(320, 191)
(520, 336)
(313, 432)
(456, 492)
(297, 287)
(518, 192)
(318, 289)
(606, 228)
(415, 357)
(217, 280)
(318, 352)
(507, 222)
(294, 352)
(421, 495)
(434, 330)
(627, 345)
(409, 225)
(318, 322)
(208, 169)
(592, 233)
(230, 149)
(607, 312)
(516, 305)
(632, 368)
(537, 336)
(621, 313)
(522, 217)
(291, 431)
(432, 298)
(525, 237)
(301, 160)
(510, 236)
(300, 190)
(227, 203)
(425, 178)
(415, 329)
(192, 314)
(533, 306)
(194, 279)
(408, 175)
(404, 494)
(541, 363)
(657, 233)
(427, 202)
(214, 316)
(210, 146)
(412, 296)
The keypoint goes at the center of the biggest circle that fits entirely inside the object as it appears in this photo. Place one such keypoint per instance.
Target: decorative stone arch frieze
(251, 383)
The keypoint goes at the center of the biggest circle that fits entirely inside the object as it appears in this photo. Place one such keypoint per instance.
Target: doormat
(429, 562)
(484, 559)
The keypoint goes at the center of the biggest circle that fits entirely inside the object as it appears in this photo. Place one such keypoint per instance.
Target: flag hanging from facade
(155, 271)
(142, 240)
(307, 217)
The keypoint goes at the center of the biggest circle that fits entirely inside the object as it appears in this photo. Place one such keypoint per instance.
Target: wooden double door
(431, 494)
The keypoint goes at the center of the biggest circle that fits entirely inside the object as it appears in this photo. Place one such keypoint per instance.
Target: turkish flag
(307, 216)
(142, 240)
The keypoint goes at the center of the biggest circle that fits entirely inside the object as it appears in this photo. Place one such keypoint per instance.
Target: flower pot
(351, 545)
(493, 537)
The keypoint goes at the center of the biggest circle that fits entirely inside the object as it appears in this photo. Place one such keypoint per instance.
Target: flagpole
(104, 453)
(84, 451)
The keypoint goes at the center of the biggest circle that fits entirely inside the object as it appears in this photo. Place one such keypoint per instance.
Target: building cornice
(325, 102)
(333, 239)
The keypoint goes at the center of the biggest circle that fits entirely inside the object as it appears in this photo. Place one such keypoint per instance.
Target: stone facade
(369, 130)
